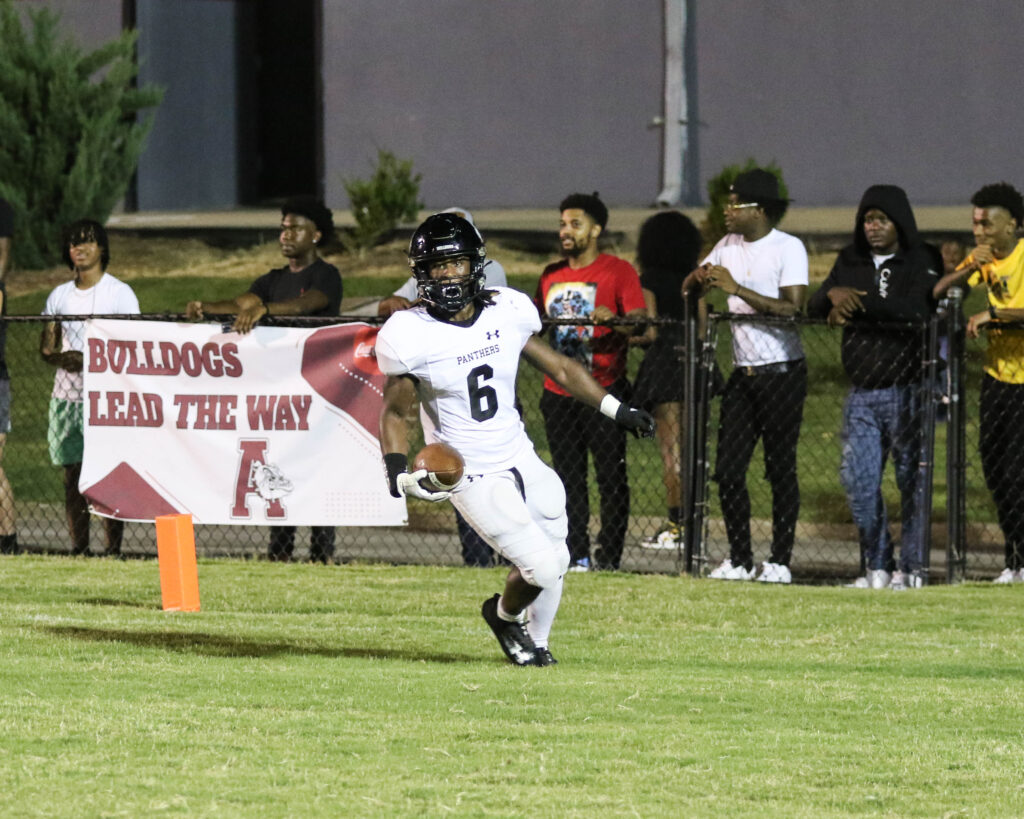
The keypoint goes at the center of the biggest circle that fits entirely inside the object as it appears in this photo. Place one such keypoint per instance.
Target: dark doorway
(280, 122)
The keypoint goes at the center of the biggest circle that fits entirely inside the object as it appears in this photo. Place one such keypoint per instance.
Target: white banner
(276, 427)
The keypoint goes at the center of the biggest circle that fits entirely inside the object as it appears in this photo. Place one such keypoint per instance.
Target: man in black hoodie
(884, 277)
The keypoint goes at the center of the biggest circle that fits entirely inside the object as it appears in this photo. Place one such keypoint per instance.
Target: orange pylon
(176, 554)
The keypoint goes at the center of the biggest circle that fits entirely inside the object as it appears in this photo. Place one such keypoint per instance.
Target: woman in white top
(92, 292)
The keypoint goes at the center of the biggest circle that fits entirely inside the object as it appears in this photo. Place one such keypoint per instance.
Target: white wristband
(610, 405)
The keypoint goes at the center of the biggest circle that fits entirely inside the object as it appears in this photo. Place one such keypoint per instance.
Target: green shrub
(718, 195)
(71, 135)
(379, 203)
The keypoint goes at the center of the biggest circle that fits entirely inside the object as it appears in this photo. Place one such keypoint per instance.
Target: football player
(458, 352)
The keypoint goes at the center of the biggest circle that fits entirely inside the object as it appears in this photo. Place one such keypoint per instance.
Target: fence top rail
(210, 318)
(302, 321)
(798, 320)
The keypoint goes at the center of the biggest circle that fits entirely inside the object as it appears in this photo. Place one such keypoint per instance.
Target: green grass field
(378, 691)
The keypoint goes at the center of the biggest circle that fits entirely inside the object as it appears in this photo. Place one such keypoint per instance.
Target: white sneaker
(726, 571)
(1008, 576)
(859, 583)
(775, 573)
(1020, 576)
(581, 565)
(901, 581)
(878, 578)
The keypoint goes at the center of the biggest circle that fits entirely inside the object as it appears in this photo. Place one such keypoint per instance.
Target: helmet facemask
(450, 295)
(440, 238)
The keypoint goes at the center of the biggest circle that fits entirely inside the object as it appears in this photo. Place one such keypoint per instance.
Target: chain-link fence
(683, 469)
(888, 443)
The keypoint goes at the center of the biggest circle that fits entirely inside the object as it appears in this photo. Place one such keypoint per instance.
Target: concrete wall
(513, 103)
(504, 104)
(190, 160)
(89, 25)
(921, 93)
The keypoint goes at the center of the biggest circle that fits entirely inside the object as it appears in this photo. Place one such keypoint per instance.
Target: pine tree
(72, 133)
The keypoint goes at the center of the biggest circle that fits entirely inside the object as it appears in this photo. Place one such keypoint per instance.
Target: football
(444, 466)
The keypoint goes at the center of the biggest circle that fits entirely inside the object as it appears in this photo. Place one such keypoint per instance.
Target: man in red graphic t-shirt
(595, 286)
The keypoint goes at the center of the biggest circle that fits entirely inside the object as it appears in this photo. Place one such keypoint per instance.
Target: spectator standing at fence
(762, 271)
(458, 353)
(998, 261)
(92, 292)
(593, 285)
(8, 537)
(306, 286)
(886, 276)
(475, 551)
(667, 249)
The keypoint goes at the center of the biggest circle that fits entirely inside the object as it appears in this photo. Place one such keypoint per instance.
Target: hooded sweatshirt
(897, 290)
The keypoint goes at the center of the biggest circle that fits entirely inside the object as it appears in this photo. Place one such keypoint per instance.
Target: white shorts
(520, 513)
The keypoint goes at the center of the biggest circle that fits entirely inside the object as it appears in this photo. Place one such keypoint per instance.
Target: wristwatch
(992, 310)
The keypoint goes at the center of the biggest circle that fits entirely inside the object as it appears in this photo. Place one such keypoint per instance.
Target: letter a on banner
(176, 554)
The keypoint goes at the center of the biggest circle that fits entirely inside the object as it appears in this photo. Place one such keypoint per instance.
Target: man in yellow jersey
(998, 261)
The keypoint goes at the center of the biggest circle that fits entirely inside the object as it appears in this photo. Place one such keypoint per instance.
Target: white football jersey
(466, 375)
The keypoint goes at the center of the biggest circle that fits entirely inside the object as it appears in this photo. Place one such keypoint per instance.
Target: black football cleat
(512, 637)
(543, 657)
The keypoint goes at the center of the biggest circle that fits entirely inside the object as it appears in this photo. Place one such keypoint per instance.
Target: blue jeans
(877, 423)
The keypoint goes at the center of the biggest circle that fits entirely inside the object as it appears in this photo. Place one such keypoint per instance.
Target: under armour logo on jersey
(489, 334)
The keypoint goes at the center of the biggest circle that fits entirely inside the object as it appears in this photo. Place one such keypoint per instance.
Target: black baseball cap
(757, 185)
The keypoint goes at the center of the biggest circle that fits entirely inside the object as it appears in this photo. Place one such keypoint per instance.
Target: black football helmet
(447, 236)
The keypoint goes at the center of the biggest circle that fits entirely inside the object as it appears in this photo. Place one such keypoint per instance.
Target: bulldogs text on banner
(276, 427)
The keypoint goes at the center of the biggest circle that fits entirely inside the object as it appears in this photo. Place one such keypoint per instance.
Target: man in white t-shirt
(762, 271)
(458, 353)
(93, 291)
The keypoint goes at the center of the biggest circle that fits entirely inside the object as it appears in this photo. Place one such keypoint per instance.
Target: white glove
(409, 485)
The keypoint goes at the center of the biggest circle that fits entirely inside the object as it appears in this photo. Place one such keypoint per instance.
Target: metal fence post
(688, 432)
(701, 353)
(956, 435)
(926, 467)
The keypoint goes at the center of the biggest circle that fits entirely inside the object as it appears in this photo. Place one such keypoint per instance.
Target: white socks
(542, 613)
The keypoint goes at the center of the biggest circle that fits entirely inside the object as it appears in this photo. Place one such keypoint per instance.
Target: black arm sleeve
(395, 463)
